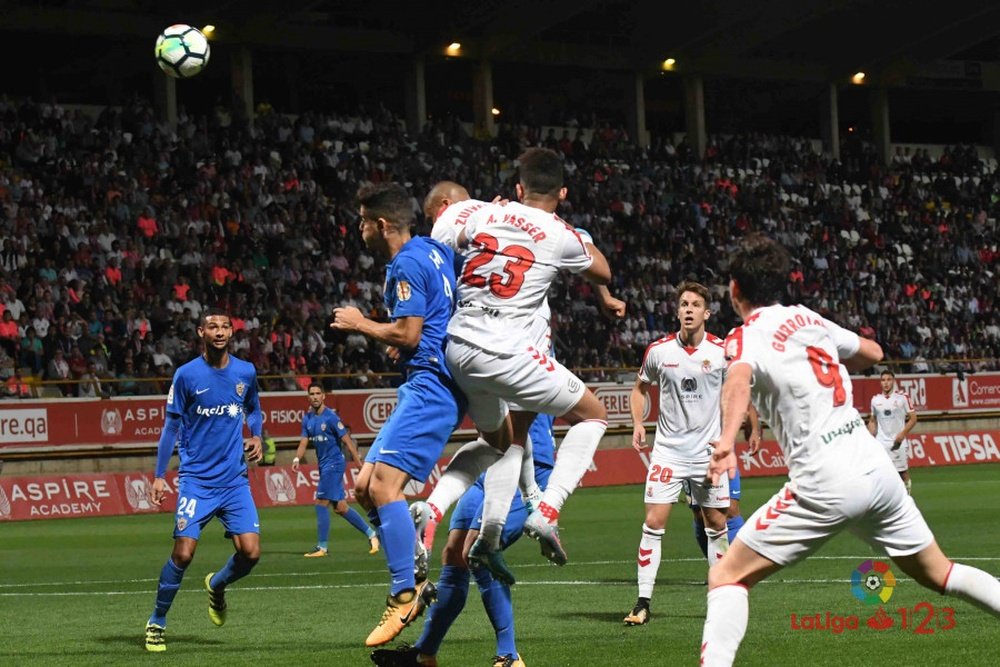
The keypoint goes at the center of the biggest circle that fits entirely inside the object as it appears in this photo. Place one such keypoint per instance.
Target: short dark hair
(315, 384)
(214, 312)
(541, 171)
(697, 288)
(888, 372)
(760, 267)
(389, 201)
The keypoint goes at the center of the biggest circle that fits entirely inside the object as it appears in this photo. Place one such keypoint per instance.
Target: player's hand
(392, 352)
(613, 308)
(295, 464)
(754, 441)
(723, 461)
(254, 449)
(347, 318)
(639, 437)
(157, 491)
(897, 443)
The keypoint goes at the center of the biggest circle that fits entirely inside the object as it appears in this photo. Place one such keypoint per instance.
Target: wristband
(295, 460)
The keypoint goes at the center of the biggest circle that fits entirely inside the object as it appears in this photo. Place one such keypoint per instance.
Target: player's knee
(182, 557)
(250, 554)
(340, 508)
(452, 554)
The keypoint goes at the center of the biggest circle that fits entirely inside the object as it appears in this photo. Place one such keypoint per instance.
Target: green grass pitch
(78, 592)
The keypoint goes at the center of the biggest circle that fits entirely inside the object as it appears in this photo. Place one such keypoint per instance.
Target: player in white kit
(689, 367)
(892, 418)
(794, 364)
(514, 253)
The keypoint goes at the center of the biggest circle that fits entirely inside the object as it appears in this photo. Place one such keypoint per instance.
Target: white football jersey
(804, 393)
(690, 381)
(513, 254)
(890, 414)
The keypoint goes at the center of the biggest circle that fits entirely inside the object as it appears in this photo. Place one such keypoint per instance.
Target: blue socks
(355, 520)
(500, 609)
(170, 583)
(322, 525)
(452, 590)
(398, 537)
(236, 568)
(700, 537)
(733, 526)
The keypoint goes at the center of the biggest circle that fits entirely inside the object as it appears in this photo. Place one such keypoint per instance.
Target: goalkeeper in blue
(209, 399)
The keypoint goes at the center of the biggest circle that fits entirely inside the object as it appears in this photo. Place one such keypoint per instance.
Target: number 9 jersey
(803, 392)
(514, 253)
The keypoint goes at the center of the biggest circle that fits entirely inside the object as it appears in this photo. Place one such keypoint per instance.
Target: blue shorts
(196, 505)
(331, 484)
(734, 490)
(468, 514)
(429, 408)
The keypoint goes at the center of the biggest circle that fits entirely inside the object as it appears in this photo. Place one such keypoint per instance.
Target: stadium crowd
(118, 230)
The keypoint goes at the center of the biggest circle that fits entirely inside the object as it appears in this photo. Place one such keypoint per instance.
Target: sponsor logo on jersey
(689, 384)
(111, 422)
(226, 410)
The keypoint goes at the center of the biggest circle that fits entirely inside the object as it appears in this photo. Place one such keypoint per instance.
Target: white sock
(973, 585)
(529, 487)
(499, 488)
(575, 455)
(466, 465)
(648, 561)
(718, 544)
(725, 625)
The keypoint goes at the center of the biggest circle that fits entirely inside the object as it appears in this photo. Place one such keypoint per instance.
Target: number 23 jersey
(804, 393)
(514, 253)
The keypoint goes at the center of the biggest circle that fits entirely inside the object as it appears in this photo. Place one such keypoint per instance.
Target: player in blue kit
(208, 401)
(453, 584)
(323, 427)
(419, 297)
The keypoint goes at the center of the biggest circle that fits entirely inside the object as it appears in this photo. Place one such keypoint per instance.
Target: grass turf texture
(79, 592)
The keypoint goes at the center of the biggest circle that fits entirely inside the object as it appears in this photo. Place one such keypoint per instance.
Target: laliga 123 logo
(873, 582)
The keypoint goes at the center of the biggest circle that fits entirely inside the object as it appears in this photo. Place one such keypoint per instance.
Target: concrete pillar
(694, 114)
(241, 78)
(880, 123)
(482, 99)
(165, 97)
(416, 98)
(829, 121)
(635, 103)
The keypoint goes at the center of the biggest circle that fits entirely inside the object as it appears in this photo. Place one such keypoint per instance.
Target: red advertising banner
(108, 494)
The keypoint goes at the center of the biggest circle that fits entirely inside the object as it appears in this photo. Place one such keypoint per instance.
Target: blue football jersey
(420, 282)
(212, 404)
(325, 431)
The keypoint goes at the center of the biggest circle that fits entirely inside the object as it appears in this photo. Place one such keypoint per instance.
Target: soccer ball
(181, 51)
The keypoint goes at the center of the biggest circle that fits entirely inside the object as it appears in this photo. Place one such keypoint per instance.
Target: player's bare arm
(911, 421)
(735, 399)
(637, 406)
(351, 447)
(755, 429)
(300, 451)
(599, 271)
(868, 354)
(403, 333)
(610, 306)
(872, 423)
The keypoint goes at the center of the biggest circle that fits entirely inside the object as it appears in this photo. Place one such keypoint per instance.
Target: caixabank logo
(873, 583)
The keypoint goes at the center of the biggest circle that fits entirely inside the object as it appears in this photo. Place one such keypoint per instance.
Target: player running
(794, 364)
(892, 418)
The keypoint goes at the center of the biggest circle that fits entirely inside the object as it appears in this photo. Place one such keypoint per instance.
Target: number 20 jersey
(514, 253)
(804, 393)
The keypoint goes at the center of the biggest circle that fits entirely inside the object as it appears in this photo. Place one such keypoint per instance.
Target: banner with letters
(88, 422)
(108, 494)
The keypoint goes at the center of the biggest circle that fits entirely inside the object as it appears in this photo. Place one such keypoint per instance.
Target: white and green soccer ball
(182, 51)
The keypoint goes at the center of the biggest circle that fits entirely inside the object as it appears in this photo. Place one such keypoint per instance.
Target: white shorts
(873, 506)
(530, 380)
(900, 456)
(667, 477)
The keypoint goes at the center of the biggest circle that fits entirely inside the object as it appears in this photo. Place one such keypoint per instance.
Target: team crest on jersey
(322, 427)
(403, 292)
(341, 426)
(181, 523)
(240, 388)
(706, 366)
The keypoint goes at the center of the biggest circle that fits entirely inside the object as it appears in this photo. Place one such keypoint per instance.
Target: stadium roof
(789, 39)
